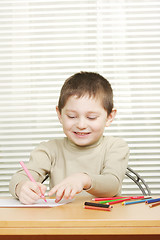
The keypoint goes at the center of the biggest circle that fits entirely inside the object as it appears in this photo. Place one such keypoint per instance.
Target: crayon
(138, 197)
(153, 200)
(118, 201)
(31, 178)
(154, 204)
(97, 208)
(97, 205)
(111, 201)
(114, 198)
(105, 199)
(134, 202)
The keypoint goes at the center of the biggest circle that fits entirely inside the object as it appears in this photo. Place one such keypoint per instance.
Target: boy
(85, 160)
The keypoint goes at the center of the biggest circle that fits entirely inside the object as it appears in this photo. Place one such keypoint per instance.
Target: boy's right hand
(29, 192)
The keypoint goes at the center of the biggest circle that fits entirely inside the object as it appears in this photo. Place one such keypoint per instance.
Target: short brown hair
(90, 83)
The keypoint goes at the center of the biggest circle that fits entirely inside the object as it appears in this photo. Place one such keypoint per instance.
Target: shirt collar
(72, 145)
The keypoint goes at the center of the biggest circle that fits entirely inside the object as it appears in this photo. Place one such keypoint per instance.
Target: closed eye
(69, 116)
(92, 118)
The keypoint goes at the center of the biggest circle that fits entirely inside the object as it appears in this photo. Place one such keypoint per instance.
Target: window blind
(44, 42)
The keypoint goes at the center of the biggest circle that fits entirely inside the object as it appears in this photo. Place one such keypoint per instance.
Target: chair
(139, 181)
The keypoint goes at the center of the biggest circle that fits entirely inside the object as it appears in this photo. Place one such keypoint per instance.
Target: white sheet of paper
(11, 202)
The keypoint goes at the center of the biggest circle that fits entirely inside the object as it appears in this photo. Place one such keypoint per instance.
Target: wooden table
(72, 221)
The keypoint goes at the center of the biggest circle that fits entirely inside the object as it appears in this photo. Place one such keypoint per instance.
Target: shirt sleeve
(109, 182)
(38, 165)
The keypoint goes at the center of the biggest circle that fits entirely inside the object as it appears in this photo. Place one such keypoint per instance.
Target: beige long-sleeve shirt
(105, 162)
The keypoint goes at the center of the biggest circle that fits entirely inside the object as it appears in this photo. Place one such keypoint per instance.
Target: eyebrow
(74, 111)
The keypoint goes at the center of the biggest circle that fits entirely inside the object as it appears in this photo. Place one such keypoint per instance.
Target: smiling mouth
(82, 133)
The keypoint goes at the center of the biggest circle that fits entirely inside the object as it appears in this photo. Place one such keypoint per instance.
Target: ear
(111, 117)
(58, 114)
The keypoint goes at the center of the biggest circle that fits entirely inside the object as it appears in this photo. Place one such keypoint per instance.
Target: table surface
(72, 218)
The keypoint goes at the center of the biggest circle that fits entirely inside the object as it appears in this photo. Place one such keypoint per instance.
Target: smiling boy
(85, 160)
(84, 119)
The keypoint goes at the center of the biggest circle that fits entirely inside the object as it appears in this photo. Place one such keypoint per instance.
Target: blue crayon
(133, 202)
(153, 200)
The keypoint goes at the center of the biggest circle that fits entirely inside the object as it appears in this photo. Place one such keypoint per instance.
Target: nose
(81, 123)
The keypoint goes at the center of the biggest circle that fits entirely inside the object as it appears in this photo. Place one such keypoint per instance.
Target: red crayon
(114, 198)
(105, 199)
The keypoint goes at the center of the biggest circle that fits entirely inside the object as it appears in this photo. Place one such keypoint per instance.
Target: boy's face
(84, 119)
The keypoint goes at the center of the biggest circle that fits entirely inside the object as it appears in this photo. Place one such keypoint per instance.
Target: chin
(83, 143)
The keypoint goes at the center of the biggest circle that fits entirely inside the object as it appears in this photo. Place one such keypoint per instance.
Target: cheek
(67, 124)
(99, 126)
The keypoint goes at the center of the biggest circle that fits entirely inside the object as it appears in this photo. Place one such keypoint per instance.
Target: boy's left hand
(70, 186)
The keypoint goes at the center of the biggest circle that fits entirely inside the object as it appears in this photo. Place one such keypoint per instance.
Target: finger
(72, 194)
(31, 186)
(30, 191)
(28, 197)
(35, 188)
(75, 190)
(79, 189)
(25, 199)
(67, 192)
(42, 188)
(60, 193)
(53, 190)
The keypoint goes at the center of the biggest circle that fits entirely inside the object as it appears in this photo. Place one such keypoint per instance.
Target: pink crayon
(31, 178)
